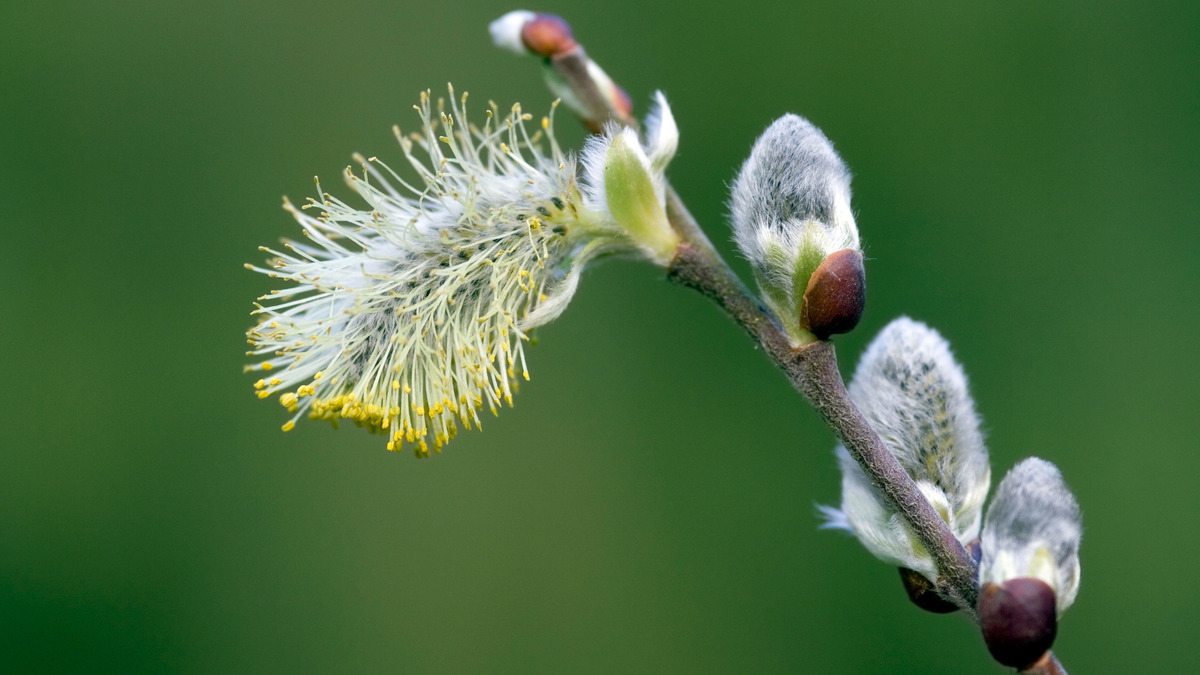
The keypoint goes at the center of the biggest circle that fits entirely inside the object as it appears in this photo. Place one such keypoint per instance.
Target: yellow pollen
(264, 393)
(287, 400)
(291, 424)
(267, 365)
(260, 384)
(395, 384)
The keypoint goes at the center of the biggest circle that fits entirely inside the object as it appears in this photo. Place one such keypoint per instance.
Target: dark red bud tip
(1019, 620)
(836, 294)
(922, 593)
(547, 35)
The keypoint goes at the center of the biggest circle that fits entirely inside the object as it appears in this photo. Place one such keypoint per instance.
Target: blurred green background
(1027, 180)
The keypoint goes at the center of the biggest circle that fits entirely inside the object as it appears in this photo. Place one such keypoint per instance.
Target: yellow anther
(545, 122)
(275, 382)
(291, 424)
(287, 400)
(264, 393)
(395, 384)
(419, 409)
(260, 384)
(407, 389)
(319, 375)
(267, 365)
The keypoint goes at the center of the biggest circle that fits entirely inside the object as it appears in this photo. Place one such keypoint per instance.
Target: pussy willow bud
(1030, 566)
(791, 212)
(550, 37)
(914, 394)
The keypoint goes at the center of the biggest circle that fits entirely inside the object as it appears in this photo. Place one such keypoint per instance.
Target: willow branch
(811, 368)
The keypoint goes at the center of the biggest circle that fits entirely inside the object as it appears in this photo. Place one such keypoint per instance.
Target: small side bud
(836, 294)
(1018, 620)
(791, 210)
(923, 594)
(975, 549)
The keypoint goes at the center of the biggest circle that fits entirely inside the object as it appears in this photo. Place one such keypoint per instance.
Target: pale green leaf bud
(625, 180)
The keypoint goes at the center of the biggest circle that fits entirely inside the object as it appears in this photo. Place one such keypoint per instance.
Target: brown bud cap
(1019, 620)
(836, 294)
(923, 594)
(547, 35)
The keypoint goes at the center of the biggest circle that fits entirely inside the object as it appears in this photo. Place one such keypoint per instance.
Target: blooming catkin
(410, 316)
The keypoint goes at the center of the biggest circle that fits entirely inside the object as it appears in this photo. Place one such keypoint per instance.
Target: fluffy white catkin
(914, 394)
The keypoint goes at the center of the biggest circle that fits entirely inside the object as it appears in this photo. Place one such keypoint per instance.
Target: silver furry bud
(1033, 530)
(914, 394)
(791, 209)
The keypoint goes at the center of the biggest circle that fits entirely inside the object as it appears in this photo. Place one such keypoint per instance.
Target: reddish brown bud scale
(836, 294)
(621, 101)
(923, 594)
(1019, 620)
(548, 35)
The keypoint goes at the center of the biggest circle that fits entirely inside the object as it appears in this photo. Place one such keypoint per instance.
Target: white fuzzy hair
(915, 396)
